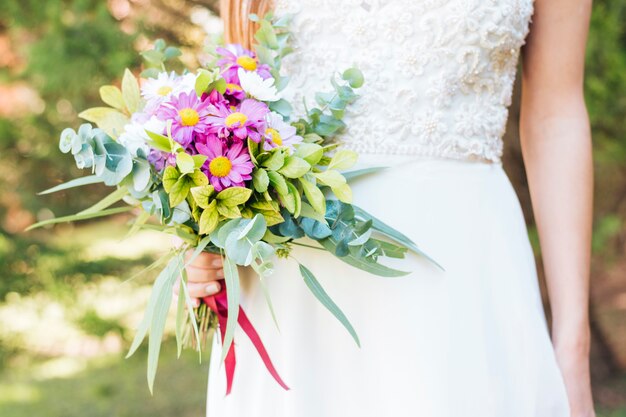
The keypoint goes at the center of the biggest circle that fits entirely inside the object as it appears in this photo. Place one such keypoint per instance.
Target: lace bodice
(438, 73)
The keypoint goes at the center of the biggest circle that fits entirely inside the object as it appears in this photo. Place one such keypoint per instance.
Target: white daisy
(257, 87)
(135, 137)
(156, 90)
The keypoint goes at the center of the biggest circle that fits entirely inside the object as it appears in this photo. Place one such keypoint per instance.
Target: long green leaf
(107, 201)
(159, 317)
(394, 234)
(180, 318)
(77, 182)
(160, 261)
(201, 246)
(142, 329)
(77, 217)
(322, 296)
(190, 311)
(356, 173)
(231, 277)
(361, 263)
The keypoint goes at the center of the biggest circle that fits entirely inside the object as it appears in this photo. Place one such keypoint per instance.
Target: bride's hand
(574, 365)
(203, 275)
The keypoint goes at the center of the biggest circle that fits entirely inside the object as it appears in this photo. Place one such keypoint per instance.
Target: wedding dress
(470, 341)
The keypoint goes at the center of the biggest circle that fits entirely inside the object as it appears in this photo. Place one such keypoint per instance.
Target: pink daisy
(226, 166)
(188, 115)
(243, 122)
(235, 56)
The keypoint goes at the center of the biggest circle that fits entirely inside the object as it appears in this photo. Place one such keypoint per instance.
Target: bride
(471, 340)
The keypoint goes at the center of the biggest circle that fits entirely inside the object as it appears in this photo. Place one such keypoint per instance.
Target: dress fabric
(468, 341)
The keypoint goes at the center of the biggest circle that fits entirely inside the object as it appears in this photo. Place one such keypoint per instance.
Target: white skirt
(470, 341)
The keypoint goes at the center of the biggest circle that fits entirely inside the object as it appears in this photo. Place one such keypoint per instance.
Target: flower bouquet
(214, 158)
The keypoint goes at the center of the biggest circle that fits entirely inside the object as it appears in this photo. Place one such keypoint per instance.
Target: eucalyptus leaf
(316, 288)
(231, 278)
(77, 182)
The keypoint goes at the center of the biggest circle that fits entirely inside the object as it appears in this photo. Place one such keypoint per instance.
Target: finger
(199, 290)
(203, 275)
(205, 260)
(195, 302)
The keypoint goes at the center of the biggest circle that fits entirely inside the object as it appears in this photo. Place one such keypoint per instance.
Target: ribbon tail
(247, 327)
(229, 362)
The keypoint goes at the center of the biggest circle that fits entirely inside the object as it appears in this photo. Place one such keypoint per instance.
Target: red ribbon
(218, 303)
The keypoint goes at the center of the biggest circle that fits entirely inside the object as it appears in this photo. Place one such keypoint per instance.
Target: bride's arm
(556, 144)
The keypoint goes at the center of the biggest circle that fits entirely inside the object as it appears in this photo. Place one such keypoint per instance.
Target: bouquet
(214, 158)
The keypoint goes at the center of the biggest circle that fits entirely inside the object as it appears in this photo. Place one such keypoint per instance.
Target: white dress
(470, 341)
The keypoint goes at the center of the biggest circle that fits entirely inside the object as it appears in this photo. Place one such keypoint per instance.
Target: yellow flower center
(220, 166)
(247, 63)
(236, 117)
(274, 135)
(165, 90)
(231, 86)
(188, 117)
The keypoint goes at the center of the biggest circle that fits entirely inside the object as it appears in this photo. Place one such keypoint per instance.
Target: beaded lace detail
(438, 73)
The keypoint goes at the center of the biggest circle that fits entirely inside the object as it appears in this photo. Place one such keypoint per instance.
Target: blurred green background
(66, 314)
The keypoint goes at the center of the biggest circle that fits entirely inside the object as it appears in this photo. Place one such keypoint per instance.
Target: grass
(109, 387)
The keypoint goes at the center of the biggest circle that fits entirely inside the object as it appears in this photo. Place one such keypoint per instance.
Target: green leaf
(356, 173)
(231, 278)
(260, 180)
(77, 217)
(180, 318)
(281, 106)
(278, 182)
(343, 193)
(310, 152)
(77, 182)
(322, 296)
(159, 317)
(159, 45)
(202, 194)
(150, 73)
(230, 212)
(393, 234)
(170, 176)
(295, 167)
(343, 159)
(272, 238)
(209, 219)
(314, 195)
(110, 120)
(275, 161)
(107, 201)
(153, 57)
(198, 178)
(331, 178)
(112, 96)
(179, 191)
(190, 311)
(171, 52)
(234, 196)
(159, 142)
(185, 163)
(307, 211)
(354, 77)
(265, 35)
(130, 92)
(199, 160)
(362, 263)
(160, 282)
(203, 80)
